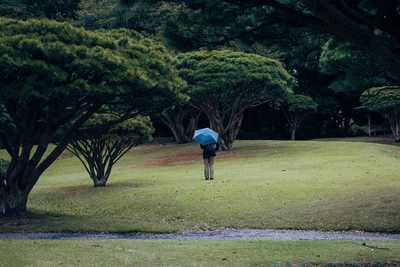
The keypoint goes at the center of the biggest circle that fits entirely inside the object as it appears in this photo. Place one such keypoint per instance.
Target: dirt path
(226, 234)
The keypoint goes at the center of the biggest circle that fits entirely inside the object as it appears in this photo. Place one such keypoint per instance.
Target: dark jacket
(210, 150)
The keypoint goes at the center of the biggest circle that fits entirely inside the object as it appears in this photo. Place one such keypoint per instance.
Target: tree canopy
(381, 99)
(55, 77)
(367, 24)
(300, 103)
(224, 83)
(385, 100)
(296, 108)
(351, 68)
(54, 9)
(104, 139)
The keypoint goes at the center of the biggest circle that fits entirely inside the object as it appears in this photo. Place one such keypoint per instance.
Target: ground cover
(197, 253)
(260, 184)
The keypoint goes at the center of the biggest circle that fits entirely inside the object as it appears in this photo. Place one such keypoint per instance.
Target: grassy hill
(259, 184)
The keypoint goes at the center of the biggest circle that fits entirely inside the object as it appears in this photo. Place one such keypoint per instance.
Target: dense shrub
(3, 168)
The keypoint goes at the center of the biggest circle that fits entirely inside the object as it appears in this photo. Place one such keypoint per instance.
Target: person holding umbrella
(208, 140)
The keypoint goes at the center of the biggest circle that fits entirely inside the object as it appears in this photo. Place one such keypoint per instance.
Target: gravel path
(226, 234)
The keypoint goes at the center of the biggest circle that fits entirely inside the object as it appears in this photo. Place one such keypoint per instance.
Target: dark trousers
(209, 168)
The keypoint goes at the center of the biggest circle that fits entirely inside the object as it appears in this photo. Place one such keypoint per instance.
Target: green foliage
(351, 67)
(385, 100)
(105, 139)
(136, 130)
(3, 168)
(56, 76)
(296, 108)
(54, 9)
(381, 99)
(13, 8)
(147, 17)
(224, 83)
(338, 57)
(223, 76)
(357, 130)
(209, 22)
(44, 60)
(301, 103)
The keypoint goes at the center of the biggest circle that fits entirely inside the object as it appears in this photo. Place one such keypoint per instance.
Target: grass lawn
(194, 253)
(260, 184)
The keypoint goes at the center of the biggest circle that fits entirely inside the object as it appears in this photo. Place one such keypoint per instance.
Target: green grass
(260, 184)
(193, 253)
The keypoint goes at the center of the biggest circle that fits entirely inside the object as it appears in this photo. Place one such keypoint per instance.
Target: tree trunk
(369, 125)
(293, 134)
(13, 202)
(294, 120)
(99, 172)
(182, 122)
(393, 117)
(99, 181)
(229, 131)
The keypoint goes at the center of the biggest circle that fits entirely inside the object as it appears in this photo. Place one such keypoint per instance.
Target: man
(209, 153)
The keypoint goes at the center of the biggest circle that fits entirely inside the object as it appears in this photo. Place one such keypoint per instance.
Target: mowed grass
(197, 253)
(259, 184)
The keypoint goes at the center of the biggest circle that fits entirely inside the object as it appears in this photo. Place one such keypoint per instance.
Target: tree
(296, 108)
(350, 69)
(55, 77)
(147, 17)
(53, 9)
(223, 84)
(182, 119)
(102, 141)
(368, 24)
(386, 101)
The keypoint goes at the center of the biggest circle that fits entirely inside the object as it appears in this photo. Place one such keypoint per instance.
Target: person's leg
(211, 164)
(206, 169)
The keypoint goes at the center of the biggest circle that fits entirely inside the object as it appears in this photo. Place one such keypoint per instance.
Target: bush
(357, 130)
(3, 167)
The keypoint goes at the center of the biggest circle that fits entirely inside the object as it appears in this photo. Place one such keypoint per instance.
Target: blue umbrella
(205, 136)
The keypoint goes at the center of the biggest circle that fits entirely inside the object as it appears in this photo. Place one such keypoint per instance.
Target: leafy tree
(259, 30)
(147, 17)
(182, 119)
(53, 9)
(13, 8)
(349, 69)
(223, 84)
(55, 77)
(296, 108)
(368, 24)
(103, 140)
(385, 100)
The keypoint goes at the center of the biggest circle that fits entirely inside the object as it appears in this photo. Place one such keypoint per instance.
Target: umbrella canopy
(205, 136)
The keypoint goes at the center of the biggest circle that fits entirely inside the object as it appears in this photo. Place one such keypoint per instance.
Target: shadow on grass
(87, 189)
(35, 220)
